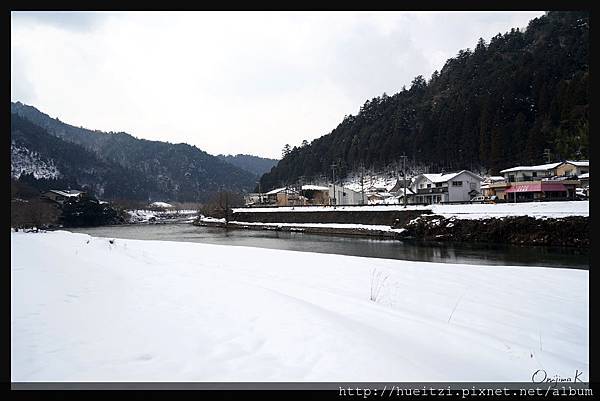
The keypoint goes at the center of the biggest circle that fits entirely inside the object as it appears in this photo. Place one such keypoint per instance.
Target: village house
(315, 194)
(497, 189)
(61, 195)
(399, 195)
(393, 194)
(450, 187)
(530, 173)
(492, 185)
(340, 195)
(284, 197)
(399, 186)
(252, 199)
(578, 170)
(551, 181)
(571, 168)
(385, 192)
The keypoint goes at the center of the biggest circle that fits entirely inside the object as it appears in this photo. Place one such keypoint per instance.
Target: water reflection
(488, 254)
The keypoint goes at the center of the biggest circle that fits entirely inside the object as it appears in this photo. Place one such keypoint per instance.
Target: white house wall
(459, 194)
(351, 197)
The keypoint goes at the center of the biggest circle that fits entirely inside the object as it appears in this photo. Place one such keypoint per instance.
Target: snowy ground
(466, 211)
(86, 309)
(370, 227)
(145, 215)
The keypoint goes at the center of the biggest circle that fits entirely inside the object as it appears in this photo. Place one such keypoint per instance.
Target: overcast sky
(230, 82)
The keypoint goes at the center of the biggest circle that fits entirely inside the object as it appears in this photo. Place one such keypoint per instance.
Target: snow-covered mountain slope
(24, 161)
(136, 168)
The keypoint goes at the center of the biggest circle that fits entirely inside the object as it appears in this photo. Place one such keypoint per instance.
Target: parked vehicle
(484, 199)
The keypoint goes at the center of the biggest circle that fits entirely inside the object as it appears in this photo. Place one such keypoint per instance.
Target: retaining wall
(397, 217)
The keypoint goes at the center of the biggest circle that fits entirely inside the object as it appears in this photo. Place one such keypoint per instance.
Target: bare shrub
(378, 280)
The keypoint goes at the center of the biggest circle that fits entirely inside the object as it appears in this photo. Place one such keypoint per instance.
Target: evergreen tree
(494, 107)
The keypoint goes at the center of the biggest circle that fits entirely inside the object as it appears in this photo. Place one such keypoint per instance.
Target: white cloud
(230, 82)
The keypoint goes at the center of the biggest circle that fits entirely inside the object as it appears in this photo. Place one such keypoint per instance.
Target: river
(483, 254)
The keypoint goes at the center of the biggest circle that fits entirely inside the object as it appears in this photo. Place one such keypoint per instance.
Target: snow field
(86, 309)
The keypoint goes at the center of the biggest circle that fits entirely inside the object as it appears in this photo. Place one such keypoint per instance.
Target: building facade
(440, 188)
(339, 195)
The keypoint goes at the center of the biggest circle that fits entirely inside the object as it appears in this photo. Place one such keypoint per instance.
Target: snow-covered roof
(381, 195)
(314, 188)
(67, 193)
(437, 178)
(586, 175)
(354, 186)
(275, 191)
(540, 167)
(579, 163)
(282, 189)
(495, 178)
(160, 204)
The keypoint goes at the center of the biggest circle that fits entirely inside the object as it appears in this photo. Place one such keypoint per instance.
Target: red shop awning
(538, 187)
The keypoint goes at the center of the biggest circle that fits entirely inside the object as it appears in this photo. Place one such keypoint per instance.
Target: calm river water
(375, 248)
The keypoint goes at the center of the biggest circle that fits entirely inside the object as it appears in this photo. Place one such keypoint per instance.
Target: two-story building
(530, 173)
(340, 195)
(551, 181)
(450, 187)
(571, 168)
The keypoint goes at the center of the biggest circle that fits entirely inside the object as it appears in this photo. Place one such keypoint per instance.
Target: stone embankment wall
(400, 217)
(571, 231)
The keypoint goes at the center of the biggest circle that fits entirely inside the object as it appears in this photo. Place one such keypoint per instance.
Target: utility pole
(226, 208)
(224, 204)
(333, 175)
(547, 155)
(362, 182)
(260, 198)
(404, 175)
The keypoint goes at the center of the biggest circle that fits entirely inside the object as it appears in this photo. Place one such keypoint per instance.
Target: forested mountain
(493, 107)
(47, 162)
(254, 164)
(118, 165)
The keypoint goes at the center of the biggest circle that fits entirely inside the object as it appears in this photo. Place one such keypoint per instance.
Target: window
(438, 184)
(428, 185)
(457, 183)
(534, 174)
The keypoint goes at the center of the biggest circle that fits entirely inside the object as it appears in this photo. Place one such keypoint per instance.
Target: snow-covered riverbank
(150, 216)
(87, 308)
